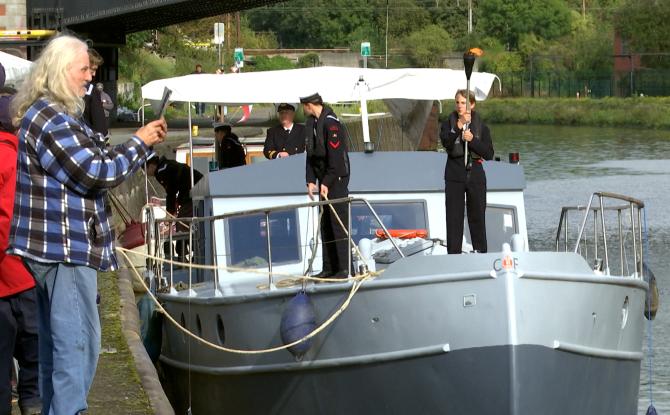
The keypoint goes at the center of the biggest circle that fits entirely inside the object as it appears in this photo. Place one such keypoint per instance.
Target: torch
(468, 62)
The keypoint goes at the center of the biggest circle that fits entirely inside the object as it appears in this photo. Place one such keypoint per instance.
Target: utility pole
(386, 53)
(584, 9)
(469, 16)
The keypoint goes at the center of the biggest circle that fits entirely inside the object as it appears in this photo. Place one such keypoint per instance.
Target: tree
(509, 20)
(428, 45)
(644, 25)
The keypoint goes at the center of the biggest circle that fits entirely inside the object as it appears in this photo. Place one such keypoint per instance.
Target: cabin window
(394, 215)
(247, 239)
(501, 224)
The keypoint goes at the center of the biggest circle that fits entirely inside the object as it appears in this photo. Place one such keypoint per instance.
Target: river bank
(638, 112)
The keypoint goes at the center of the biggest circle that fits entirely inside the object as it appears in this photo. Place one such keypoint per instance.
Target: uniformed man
(287, 138)
(328, 164)
(230, 152)
(465, 177)
(175, 177)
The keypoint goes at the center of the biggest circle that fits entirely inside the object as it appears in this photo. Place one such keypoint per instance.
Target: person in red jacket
(18, 307)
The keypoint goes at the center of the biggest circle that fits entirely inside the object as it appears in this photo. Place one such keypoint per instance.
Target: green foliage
(308, 60)
(427, 46)
(509, 20)
(649, 112)
(644, 24)
(264, 63)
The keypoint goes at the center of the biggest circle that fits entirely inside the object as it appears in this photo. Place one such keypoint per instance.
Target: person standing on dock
(465, 177)
(328, 164)
(61, 223)
(18, 306)
(287, 138)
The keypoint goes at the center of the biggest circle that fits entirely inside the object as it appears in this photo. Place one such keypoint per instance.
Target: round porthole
(220, 330)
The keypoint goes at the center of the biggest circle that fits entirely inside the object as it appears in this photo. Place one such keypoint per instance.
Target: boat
(511, 331)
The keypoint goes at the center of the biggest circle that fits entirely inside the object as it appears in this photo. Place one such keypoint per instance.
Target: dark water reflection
(564, 165)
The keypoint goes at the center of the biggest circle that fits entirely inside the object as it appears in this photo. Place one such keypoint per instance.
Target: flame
(476, 51)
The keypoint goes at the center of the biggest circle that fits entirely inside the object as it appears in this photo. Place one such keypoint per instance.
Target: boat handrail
(634, 208)
(190, 222)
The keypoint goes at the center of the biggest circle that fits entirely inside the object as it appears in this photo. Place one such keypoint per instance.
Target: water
(564, 165)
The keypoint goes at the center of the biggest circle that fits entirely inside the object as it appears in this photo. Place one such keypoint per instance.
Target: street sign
(365, 49)
(238, 56)
(219, 33)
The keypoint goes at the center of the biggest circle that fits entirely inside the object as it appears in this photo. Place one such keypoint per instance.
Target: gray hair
(48, 78)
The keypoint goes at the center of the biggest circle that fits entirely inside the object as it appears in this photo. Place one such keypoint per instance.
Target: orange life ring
(402, 233)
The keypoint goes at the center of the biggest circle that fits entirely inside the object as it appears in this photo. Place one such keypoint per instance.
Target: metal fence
(650, 82)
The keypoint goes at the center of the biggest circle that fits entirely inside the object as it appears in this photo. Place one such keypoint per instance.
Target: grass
(116, 388)
(638, 112)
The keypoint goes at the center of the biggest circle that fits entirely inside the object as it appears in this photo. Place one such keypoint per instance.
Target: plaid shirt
(63, 175)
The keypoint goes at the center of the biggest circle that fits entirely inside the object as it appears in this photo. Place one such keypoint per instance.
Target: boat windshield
(394, 215)
(501, 224)
(247, 239)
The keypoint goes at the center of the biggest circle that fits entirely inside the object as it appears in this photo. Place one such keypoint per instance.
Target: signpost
(219, 38)
(365, 53)
(238, 56)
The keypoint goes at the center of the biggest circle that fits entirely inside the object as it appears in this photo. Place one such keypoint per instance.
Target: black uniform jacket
(94, 114)
(231, 152)
(481, 147)
(277, 140)
(175, 177)
(326, 146)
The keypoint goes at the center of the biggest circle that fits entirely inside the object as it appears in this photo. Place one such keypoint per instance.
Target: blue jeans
(69, 334)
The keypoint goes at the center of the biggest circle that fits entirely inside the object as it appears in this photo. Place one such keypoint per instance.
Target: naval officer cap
(315, 98)
(285, 107)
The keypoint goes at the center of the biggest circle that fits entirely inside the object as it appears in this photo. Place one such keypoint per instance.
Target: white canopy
(333, 83)
(16, 69)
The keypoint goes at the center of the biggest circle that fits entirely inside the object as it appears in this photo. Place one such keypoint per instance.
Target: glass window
(501, 224)
(394, 215)
(247, 239)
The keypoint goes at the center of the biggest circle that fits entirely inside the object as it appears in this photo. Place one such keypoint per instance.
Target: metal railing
(192, 222)
(630, 212)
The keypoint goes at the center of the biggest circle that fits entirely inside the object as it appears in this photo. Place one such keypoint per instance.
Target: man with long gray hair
(61, 226)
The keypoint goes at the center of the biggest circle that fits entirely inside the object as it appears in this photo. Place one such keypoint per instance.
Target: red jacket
(14, 277)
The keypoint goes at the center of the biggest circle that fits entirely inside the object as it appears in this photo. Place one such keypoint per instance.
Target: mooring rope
(356, 285)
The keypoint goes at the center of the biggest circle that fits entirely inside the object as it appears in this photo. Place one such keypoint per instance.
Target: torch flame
(476, 51)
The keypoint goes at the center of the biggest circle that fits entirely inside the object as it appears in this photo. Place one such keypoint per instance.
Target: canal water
(563, 166)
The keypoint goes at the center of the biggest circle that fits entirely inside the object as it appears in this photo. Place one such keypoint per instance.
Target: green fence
(596, 85)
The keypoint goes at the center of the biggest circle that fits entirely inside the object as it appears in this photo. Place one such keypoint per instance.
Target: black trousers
(476, 206)
(335, 241)
(18, 338)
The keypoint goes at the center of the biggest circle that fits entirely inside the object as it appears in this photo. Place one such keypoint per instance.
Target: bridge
(108, 21)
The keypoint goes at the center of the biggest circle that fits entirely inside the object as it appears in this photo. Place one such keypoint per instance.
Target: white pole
(469, 16)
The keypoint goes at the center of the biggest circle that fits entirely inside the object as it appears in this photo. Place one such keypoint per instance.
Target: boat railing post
(215, 259)
(191, 292)
(172, 289)
(639, 229)
(581, 228)
(595, 234)
(350, 240)
(621, 244)
(267, 233)
(567, 214)
(632, 224)
(604, 229)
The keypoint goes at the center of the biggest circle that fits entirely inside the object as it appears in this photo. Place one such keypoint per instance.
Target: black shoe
(340, 275)
(323, 274)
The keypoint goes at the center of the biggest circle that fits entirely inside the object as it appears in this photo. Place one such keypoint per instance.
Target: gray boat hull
(548, 338)
(500, 380)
